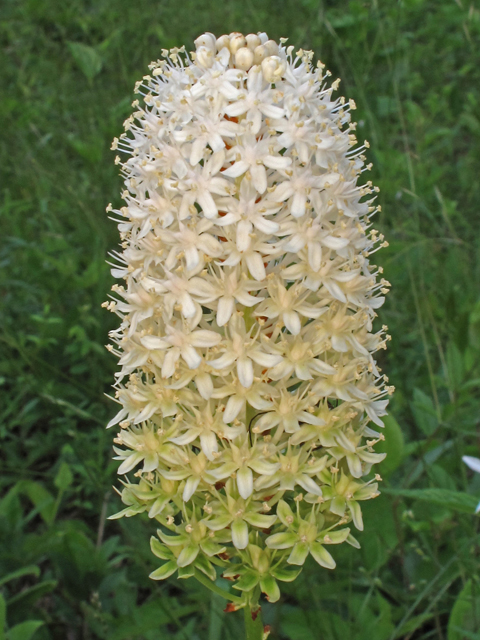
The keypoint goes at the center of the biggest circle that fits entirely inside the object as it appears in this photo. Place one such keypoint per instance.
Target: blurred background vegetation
(67, 76)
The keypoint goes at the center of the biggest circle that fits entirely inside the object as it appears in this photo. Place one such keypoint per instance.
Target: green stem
(213, 587)
(253, 628)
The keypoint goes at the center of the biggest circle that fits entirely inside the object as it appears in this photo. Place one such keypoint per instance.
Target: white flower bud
(206, 40)
(260, 53)
(253, 41)
(263, 37)
(272, 48)
(244, 58)
(222, 43)
(237, 40)
(273, 68)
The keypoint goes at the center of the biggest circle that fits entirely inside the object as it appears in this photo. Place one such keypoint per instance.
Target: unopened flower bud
(252, 41)
(206, 40)
(260, 54)
(244, 58)
(237, 40)
(272, 47)
(222, 43)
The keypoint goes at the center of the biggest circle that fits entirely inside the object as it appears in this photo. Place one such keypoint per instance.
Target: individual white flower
(256, 156)
(177, 343)
(247, 382)
(243, 350)
(255, 102)
(233, 286)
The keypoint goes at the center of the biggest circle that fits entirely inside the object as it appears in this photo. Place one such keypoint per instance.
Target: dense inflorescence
(248, 382)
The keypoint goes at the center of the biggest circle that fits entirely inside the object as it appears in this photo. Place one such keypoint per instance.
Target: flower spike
(249, 392)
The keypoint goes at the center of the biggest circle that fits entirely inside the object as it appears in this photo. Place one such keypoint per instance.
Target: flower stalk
(250, 395)
(253, 623)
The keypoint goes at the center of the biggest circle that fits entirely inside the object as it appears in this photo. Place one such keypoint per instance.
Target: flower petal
(190, 488)
(209, 444)
(204, 338)
(291, 320)
(472, 463)
(226, 306)
(204, 385)
(244, 229)
(165, 571)
(260, 520)
(245, 372)
(270, 588)
(240, 534)
(322, 556)
(234, 405)
(169, 362)
(245, 482)
(188, 555)
(191, 357)
(255, 266)
(281, 540)
(299, 554)
(264, 359)
(259, 177)
(236, 170)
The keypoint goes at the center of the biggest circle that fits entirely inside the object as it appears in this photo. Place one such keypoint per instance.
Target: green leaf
(380, 536)
(32, 570)
(24, 630)
(3, 617)
(149, 617)
(64, 477)
(216, 617)
(424, 412)
(465, 613)
(468, 635)
(87, 59)
(450, 499)
(455, 365)
(41, 498)
(393, 446)
(29, 596)
(412, 625)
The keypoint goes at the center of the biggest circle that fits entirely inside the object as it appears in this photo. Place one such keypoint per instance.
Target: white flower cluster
(248, 377)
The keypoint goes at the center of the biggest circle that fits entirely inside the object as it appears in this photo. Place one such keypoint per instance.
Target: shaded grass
(413, 69)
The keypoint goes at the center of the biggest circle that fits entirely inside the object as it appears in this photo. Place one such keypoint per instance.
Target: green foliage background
(67, 76)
